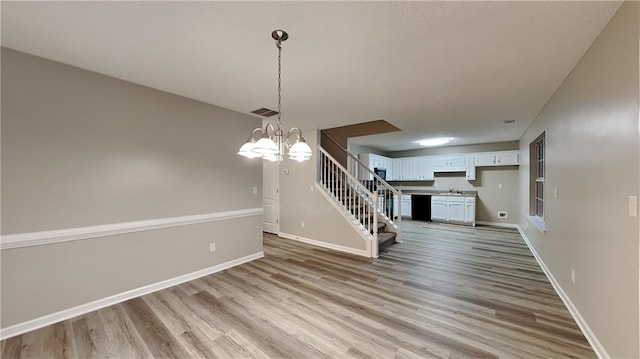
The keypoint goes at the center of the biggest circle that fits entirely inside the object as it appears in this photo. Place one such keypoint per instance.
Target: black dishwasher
(421, 207)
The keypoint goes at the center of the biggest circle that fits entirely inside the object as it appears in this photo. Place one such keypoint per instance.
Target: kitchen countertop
(410, 191)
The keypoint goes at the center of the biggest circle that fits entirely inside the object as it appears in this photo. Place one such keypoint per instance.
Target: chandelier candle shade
(272, 141)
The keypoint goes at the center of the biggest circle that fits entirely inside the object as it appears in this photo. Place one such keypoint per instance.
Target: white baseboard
(73, 234)
(336, 247)
(497, 224)
(598, 348)
(49, 319)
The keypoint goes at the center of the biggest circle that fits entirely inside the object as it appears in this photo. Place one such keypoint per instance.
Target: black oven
(381, 172)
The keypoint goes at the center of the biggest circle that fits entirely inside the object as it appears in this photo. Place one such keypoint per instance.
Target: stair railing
(389, 203)
(389, 198)
(356, 200)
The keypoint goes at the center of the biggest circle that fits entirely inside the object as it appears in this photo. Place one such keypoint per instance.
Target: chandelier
(272, 141)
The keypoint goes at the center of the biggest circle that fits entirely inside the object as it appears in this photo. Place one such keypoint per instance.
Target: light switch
(633, 206)
(499, 185)
(255, 190)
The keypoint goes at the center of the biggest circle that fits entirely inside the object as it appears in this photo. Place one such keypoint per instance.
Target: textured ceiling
(455, 69)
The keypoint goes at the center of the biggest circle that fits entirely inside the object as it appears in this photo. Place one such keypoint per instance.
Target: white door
(271, 197)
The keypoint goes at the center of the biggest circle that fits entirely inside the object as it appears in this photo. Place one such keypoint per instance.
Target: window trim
(537, 174)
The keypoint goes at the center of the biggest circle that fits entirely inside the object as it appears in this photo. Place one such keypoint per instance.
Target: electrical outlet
(555, 192)
(255, 190)
(311, 188)
(573, 276)
(212, 247)
(503, 214)
(302, 224)
(633, 206)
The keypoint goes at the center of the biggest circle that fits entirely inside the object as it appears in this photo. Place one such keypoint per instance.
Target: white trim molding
(497, 224)
(13, 241)
(49, 319)
(598, 348)
(335, 247)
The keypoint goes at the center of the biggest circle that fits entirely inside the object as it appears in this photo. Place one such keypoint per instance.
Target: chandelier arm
(253, 133)
(295, 131)
(266, 130)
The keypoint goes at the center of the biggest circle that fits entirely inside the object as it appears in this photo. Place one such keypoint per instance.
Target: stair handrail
(351, 177)
(378, 178)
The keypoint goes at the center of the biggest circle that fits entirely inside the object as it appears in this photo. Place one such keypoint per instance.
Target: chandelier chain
(279, 45)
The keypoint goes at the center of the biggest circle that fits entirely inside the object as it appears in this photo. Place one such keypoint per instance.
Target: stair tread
(385, 239)
(385, 236)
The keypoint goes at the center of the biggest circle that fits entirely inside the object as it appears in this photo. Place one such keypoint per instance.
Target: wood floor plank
(157, 337)
(446, 292)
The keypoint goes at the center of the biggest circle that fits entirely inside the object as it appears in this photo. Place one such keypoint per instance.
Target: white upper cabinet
(502, 158)
(373, 161)
(471, 168)
(423, 168)
(396, 169)
(508, 158)
(406, 169)
(427, 169)
(450, 164)
(416, 168)
(485, 159)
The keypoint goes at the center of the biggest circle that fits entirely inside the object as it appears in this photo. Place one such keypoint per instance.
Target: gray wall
(592, 157)
(82, 149)
(357, 149)
(491, 198)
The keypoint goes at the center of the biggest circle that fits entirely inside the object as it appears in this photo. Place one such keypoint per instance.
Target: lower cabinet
(453, 209)
(439, 208)
(405, 202)
(470, 210)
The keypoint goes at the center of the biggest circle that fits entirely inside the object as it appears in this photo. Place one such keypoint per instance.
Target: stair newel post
(399, 221)
(374, 247)
(341, 188)
(324, 170)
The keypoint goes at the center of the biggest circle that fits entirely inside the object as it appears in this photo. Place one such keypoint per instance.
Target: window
(537, 173)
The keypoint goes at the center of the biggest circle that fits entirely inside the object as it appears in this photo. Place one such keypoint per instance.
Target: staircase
(364, 198)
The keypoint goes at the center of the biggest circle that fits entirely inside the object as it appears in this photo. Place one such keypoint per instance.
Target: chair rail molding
(20, 240)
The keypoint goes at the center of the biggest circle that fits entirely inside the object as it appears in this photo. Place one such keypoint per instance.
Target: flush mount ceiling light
(272, 142)
(438, 141)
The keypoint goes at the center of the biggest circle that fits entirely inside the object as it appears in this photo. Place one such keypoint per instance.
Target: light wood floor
(446, 292)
